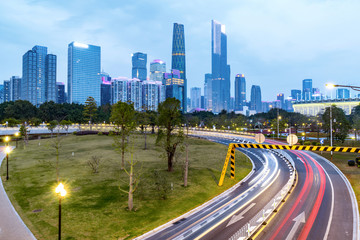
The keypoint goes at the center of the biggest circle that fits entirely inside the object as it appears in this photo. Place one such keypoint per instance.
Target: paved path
(11, 225)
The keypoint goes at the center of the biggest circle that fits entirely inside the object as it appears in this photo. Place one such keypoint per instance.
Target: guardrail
(255, 223)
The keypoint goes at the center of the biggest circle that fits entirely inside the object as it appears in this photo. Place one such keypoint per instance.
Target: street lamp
(304, 134)
(17, 138)
(61, 193)
(6, 140)
(7, 151)
(330, 86)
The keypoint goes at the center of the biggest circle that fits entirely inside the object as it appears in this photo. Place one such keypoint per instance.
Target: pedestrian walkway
(11, 225)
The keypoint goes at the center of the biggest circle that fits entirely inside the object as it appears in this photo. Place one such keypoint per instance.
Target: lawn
(95, 208)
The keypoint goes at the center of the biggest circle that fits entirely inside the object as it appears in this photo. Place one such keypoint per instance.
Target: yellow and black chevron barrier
(233, 146)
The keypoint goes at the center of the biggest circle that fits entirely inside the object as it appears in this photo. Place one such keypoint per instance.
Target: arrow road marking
(240, 216)
(299, 219)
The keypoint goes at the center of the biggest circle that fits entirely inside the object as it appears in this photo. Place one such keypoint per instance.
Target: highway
(221, 218)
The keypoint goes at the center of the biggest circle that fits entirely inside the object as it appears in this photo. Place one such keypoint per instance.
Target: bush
(94, 163)
(314, 143)
(75, 132)
(12, 122)
(307, 143)
(100, 133)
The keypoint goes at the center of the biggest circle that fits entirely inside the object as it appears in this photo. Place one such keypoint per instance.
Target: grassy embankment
(95, 208)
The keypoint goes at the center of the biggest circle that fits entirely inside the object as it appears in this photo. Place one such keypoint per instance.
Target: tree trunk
(170, 163)
(145, 140)
(131, 187)
(122, 152)
(186, 166)
(153, 129)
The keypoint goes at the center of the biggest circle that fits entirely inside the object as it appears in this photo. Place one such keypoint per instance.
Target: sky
(276, 43)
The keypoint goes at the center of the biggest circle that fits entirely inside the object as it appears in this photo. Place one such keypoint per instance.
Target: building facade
(157, 70)
(313, 108)
(307, 90)
(61, 98)
(342, 93)
(281, 98)
(83, 73)
(296, 94)
(240, 92)
(220, 70)
(15, 88)
(38, 83)
(6, 91)
(208, 92)
(255, 102)
(178, 62)
(139, 61)
(195, 96)
(153, 93)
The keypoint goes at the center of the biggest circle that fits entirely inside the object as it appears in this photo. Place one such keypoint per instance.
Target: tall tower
(307, 90)
(139, 61)
(178, 59)
(83, 72)
(220, 68)
(240, 92)
(208, 92)
(39, 76)
(255, 103)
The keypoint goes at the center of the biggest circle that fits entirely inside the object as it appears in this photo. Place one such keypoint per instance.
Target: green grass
(95, 208)
(352, 173)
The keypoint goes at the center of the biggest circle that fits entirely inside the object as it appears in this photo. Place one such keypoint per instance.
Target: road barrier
(233, 146)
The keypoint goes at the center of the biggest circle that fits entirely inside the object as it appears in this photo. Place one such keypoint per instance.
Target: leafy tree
(21, 110)
(123, 117)
(143, 121)
(52, 125)
(51, 111)
(356, 125)
(11, 122)
(35, 121)
(3, 106)
(152, 120)
(104, 113)
(340, 126)
(65, 124)
(169, 119)
(24, 133)
(90, 110)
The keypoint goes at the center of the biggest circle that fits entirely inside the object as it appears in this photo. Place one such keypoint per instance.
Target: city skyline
(271, 46)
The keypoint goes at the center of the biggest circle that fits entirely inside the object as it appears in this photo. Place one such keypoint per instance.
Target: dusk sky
(276, 44)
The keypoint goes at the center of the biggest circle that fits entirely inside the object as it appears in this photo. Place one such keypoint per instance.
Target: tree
(152, 120)
(143, 120)
(340, 125)
(123, 117)
(65, 124)
(52, 125)
(90, 110)
(169, 119)
(21, 110)
(356, 125)
(24, 133)
(133, 182)
(35, 121)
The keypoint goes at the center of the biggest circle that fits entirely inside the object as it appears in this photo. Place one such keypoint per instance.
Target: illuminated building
(255, 102)
(195, 94)
(240, 92)
(307, 90)
(157, 70)
(83, 73)
(139, 61)
(312, 108)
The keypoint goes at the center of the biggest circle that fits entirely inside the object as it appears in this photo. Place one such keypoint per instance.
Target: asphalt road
(222, 218)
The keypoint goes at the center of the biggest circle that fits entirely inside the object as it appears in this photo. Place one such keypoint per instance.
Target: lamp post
(61, 193)
(7, 151)
(6, 140)
(17, 138)
(278, 118)
(330, 85)
(331, 130)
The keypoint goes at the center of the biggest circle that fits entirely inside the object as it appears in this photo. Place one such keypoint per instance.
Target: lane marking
(298, 220)
(240, 216)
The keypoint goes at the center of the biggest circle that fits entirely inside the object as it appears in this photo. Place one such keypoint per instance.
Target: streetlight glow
(329, 85)
(7, 139)
(16, 134)
(60, 189)
(7, 150)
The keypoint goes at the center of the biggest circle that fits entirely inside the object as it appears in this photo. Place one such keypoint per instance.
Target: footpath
(11, 225)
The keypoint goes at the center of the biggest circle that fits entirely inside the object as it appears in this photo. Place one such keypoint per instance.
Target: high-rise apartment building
(153, 93)
(83, 72)
(105, 88)
(15, 88)
(61, 98)
(195, 96)
(38, 84)
(175, 86)
(119, 90)
(220, 70)
(127, 90)
(342, 93)
(1, 93)
(307, 90)
(178, 61)
(157, 70)
(7, 91)
(139, 61)
(240, 92)
(296, 94)
(208, 92)
(255, 102)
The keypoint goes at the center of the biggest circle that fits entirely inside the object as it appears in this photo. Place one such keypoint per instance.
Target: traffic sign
(259, 138)
(303, 138)
(321, 141)
(292, 139)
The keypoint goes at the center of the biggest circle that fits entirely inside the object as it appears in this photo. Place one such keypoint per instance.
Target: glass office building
(139, 61)
(83, 72)
(240, 92)
(255, 103)
(157, 70)
(307, 90)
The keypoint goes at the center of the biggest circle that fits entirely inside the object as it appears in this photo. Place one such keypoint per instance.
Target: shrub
(307, 143)
(94, 163)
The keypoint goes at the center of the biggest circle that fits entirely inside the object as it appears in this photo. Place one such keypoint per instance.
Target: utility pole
(278, 122)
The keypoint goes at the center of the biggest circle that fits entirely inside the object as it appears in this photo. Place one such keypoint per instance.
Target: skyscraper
(157, 70)
(280, 97)
(296, 94)
(6, 90)
(1, 93)
(342, 93)
(307, 90)
(139, 61)
(15, 88)
(195, 94)
(105, 88)
(151, 94)
(208, 92)
(219, 67)
(61, 98)
(175, 86)
(178, 59)
(83, 72)
(255, 103)
(240, 92)
(39, 76)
